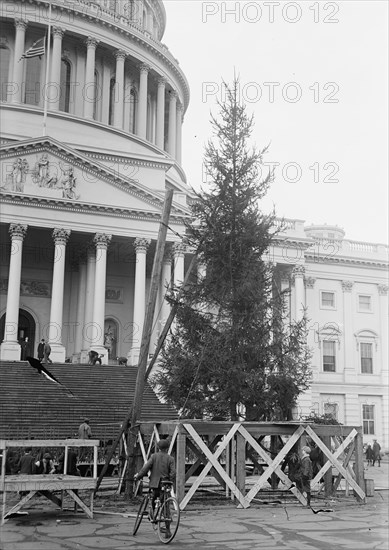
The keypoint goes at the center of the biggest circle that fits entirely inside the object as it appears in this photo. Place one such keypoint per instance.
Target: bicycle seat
(166, 482)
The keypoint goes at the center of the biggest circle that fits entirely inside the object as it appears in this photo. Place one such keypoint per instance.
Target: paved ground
(288, 526)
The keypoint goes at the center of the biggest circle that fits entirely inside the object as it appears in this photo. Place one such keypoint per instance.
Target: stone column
(119, 87)
(304, 400)
(165, 285)
(171, 147)
(180, 114)
(81, 302)
(160, 138)
(18, 66)
(383, 343)
(89, 88)
(106, 80)
(179, 250)
(298, 274)
(54, 90)
(101, 241)
(349, 372)
(58, 351)
(141, 245)
(87, 329)
(141, 118)
(10, 347)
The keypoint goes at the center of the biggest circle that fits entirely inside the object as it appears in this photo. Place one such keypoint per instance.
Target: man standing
(304, 483)
(84, 430)
(41, 349)
(46, 353)
(376, 452)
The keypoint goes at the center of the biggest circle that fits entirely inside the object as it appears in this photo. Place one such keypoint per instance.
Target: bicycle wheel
(168, 520)
(141, 513)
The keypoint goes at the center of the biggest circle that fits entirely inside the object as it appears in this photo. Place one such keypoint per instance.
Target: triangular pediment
(46, 169)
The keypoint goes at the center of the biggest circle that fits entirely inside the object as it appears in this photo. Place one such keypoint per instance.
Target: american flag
(37, 49)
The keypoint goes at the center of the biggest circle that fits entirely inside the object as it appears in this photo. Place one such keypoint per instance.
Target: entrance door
(26, 333)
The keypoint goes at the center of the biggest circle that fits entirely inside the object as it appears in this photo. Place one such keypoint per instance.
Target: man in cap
(161, 467)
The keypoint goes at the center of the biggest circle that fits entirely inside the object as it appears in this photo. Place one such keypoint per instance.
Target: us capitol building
(87, 155)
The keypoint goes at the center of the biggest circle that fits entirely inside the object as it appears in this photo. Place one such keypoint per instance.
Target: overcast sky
(315, 76)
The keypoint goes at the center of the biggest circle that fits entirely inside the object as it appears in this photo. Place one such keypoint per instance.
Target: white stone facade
(87, 155)
(86, 161)
(343, 285)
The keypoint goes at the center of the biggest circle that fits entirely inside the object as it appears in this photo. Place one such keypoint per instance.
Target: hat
(86, 419)
(306, 449)
(47, 456)
(163, 444)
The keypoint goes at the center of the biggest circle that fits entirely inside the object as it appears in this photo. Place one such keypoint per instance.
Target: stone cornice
(85, 208)
(38, 145)
(343, 260)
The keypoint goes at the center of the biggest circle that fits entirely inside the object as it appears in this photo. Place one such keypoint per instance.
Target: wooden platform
(48, 484)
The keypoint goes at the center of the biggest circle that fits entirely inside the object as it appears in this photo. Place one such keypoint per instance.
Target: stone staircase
(31, 406)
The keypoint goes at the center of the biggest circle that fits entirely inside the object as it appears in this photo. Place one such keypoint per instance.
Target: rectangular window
(368, 419)
(329, 356)
(366, 358)
(364, 302)
(331, 409)
(328, 299)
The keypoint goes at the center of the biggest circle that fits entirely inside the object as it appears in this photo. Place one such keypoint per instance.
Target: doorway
(26, 333)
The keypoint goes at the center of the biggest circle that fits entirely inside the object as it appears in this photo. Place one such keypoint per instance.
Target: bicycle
(165, 517)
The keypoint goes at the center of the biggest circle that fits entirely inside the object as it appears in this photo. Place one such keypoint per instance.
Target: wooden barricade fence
(239, 442)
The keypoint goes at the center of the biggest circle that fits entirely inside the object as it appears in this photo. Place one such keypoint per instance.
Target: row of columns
(175, 118)
(90, 294)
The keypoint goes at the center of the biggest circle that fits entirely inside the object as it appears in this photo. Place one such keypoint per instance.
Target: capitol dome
(91, 141)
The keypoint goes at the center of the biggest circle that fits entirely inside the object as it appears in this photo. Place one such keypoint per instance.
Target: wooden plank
(328, 473)
(241, 463)
(213, 461)
(274, 465)
(17, 506)
(76, 498)
(49, 443)
(345, 465)
(142, 447)
(49, 495)
(202, 460)
(359, 467)
(338, 452)
(180, 466)
(65, 463)
(95, 462)
(360, 492)
(173, 440)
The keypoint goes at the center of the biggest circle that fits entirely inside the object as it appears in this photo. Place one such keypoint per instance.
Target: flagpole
(47, 72)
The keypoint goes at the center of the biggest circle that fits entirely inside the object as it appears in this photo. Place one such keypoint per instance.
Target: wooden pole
(146, 336)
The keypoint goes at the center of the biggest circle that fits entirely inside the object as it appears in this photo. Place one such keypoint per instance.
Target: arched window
(132, 111)
(32, 93)
(4, 72)
(112, 89)
(64, 100)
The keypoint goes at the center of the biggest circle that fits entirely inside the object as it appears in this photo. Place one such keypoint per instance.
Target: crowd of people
(44, 462)
(373, 453)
